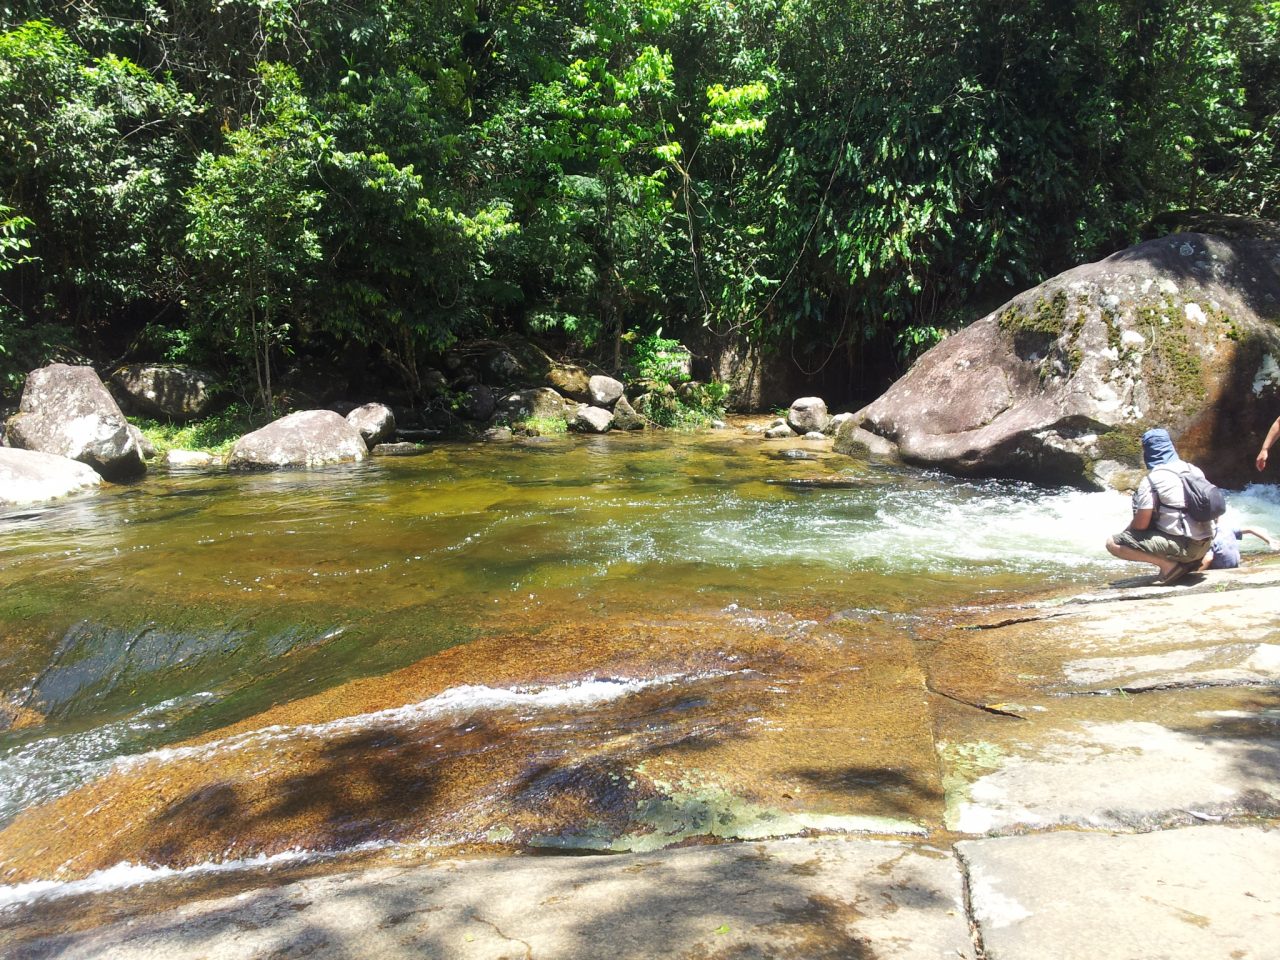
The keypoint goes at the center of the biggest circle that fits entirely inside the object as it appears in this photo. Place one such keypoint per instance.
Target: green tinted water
(175, 608)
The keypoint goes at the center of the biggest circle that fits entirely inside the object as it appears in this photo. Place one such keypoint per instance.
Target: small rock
(145, 446)
(779, 432)
(815, 435)
(497, 435)
(402, 448)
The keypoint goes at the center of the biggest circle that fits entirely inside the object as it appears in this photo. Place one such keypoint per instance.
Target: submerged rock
(66, 411)
(29, 476)
(1177, 332)
(308, 438)
(402, 449)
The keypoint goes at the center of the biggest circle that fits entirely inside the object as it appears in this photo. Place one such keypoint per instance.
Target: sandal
(1179, 571)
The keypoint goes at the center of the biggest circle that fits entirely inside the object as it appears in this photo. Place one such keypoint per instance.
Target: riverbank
(1109, 765)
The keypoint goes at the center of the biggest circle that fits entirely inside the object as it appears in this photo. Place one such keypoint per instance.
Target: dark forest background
(247, 185)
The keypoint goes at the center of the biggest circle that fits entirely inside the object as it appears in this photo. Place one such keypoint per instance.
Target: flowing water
(569, 644)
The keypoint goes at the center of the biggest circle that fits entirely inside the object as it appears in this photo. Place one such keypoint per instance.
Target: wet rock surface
(1073, 776)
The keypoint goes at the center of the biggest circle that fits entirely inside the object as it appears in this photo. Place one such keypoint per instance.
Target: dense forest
(245, 184)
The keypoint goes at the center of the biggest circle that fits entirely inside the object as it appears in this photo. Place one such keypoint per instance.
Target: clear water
(588, 607)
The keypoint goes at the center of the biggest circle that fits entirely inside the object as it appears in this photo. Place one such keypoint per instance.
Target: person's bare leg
(1164, 564)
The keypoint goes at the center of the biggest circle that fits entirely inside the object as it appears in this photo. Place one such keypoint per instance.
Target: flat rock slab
(1125, 776)
(815, 899)
(1201, 893)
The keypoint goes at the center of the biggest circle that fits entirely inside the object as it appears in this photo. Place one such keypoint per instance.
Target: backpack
(1204, 501)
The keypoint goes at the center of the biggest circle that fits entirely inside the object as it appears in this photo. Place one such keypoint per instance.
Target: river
(568, 644)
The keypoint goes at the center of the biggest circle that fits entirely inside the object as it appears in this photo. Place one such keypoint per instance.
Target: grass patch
(541, 426)
(216, 434)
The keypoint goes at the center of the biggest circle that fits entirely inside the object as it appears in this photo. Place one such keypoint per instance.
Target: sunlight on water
(150, 614)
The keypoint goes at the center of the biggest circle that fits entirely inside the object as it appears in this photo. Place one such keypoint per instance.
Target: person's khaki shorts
(1161, 544)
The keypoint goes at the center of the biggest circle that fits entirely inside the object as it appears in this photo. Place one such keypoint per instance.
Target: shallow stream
(612, 643)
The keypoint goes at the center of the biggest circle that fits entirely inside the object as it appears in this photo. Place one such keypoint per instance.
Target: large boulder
(66, 411)
(1058, 384)
(308, 438)
(590, 419)
(538, 403)
(29, 476)
(165, 391)
(374, 422)
(808, 414)
(570, 380)
(605, 391)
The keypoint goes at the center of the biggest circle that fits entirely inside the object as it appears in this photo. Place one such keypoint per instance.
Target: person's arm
(1261, 535)
(1266, 444)
(1141, 519)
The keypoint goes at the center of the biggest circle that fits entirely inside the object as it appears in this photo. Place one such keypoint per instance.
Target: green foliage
(215, 434)
(655, 357)
(250, 230)
(259, 177)
(541, 426)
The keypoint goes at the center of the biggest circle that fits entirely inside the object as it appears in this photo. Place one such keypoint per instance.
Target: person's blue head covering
(1157, 448)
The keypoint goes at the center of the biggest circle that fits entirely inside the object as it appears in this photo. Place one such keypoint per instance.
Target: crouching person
(1161, 532)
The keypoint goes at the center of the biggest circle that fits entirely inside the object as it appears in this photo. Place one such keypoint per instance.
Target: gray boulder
(374, 422)
(165, 391)
(497, 435)
(66, 411)
(539, 402)
(779, 431)
(808, 414)
(308, 438)
(589, 419)
(625, 416)
(605, 391)
(1058, 384)
(29, 476)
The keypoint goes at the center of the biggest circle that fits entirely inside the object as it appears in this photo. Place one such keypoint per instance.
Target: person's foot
(1174, 574)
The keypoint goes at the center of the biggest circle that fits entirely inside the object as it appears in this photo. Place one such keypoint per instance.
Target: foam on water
(125, 874)
(50, 766)
(458, 701)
